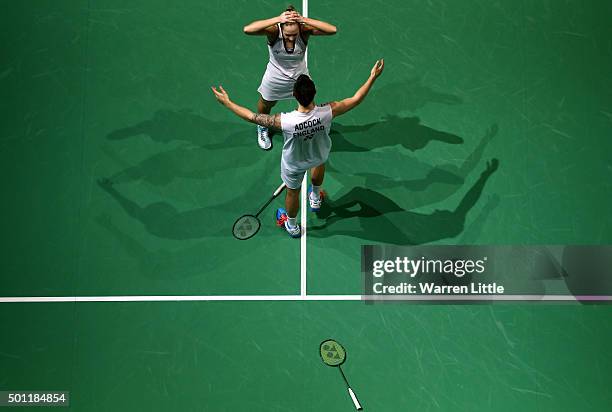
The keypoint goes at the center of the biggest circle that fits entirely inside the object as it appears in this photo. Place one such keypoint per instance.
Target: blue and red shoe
(282, 220)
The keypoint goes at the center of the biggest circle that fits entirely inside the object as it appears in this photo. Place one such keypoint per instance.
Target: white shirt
(306, 138)
(283, 63)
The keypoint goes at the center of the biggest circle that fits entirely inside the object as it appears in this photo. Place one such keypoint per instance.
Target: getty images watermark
(487, 273)
(422, 267)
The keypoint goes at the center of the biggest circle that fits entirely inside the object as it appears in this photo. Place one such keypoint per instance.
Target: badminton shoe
(314, 200)
(282, 220)
(263, 139)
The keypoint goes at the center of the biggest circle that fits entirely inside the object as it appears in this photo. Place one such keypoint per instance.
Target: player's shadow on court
(436, 175)
(438, 184)
(369, 215)
(209, 147)
(473, 233)
(186, 162)
(158, 263)
(163, 220)
(390, 131)
(409, 94)
(167, 126)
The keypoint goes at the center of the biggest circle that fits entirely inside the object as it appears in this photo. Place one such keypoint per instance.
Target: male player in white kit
(306, 140)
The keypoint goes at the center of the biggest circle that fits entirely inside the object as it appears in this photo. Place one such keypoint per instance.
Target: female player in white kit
(306, 140)
(287, 41)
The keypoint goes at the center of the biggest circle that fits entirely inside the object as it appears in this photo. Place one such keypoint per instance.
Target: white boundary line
(303, 206)
(336, 298)
(179, 298)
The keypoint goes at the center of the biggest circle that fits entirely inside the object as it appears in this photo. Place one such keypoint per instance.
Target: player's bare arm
(268, 26)
(315, 27)
(345, 105)
(265, 120)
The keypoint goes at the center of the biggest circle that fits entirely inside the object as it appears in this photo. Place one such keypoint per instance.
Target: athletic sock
(292, 221)
(316, 190)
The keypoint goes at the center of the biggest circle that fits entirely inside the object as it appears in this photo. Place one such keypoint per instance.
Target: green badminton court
(122, 177)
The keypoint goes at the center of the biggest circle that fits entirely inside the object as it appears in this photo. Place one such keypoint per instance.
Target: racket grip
(355, 400)
(279, 189)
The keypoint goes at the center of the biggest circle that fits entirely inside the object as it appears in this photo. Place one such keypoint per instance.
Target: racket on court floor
(247, 226)
(334, 355)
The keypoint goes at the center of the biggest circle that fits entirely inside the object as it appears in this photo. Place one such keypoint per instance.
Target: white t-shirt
(306, 138)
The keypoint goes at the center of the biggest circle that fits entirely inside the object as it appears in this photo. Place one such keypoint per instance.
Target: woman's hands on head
(290, 17)
(297, 17)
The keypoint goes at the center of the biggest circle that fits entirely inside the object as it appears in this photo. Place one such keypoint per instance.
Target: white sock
(316, 190)
(292, 221)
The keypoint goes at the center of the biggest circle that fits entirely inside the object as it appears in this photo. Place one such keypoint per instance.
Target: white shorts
(292, 179)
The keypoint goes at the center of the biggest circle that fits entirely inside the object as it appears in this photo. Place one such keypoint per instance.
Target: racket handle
(355, 400)
(280, 189)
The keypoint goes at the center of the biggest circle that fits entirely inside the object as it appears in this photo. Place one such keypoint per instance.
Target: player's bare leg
(288, 217)
(264, 106)
(292, 202)
(315, 195)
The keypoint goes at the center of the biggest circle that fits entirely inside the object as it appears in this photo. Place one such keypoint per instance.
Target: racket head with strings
(332, 353)
(245, 227)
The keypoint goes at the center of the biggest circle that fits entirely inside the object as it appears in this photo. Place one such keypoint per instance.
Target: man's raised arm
(265, 120)
(349, 103)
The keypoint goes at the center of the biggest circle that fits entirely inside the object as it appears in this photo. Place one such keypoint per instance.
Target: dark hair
(304, 90)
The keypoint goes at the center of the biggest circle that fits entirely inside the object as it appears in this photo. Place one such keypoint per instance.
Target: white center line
(303, 206)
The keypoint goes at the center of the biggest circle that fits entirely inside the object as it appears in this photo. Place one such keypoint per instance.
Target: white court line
(272, 298)
(303, 210)
(304, 213)
(179, 298)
